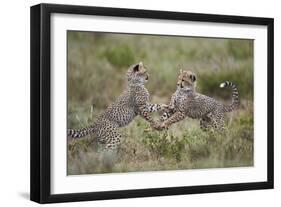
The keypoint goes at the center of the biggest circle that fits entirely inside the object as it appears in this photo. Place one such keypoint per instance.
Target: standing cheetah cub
(131, 103)
(186, 102)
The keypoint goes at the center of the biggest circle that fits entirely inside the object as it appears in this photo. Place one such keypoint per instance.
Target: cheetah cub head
(186, 81)
(137, 74)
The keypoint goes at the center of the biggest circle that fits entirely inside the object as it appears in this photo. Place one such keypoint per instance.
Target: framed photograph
(133, 103)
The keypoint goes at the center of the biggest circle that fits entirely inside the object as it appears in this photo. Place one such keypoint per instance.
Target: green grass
(97, 64)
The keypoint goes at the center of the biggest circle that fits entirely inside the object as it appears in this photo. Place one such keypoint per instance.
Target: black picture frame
(41, 99)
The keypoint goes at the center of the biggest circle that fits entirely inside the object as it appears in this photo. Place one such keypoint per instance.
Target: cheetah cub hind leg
(205, 123)
(213, 122)
(108, 136)
(218, 123)
(109, 140)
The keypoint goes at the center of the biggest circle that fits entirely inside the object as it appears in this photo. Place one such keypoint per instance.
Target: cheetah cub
(186, 102)
(132, 102)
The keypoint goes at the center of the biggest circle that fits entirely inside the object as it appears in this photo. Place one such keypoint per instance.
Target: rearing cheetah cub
(186, 102)
(132, 102)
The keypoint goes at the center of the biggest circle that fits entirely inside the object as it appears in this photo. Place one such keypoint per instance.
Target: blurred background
(97, 65)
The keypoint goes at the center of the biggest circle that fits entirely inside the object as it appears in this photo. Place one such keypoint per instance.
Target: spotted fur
(131, 103)
(186, 102)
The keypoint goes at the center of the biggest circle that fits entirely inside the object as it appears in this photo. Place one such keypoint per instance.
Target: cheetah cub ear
(136, 68)
(192, 77)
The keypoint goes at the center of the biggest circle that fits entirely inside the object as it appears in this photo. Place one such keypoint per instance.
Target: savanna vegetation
(97, 64)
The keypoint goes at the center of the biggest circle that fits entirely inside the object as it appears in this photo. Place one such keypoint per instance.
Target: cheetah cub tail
(78, 133)
(235, 98)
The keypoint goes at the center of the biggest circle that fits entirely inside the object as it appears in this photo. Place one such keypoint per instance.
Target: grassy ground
(97, 64)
